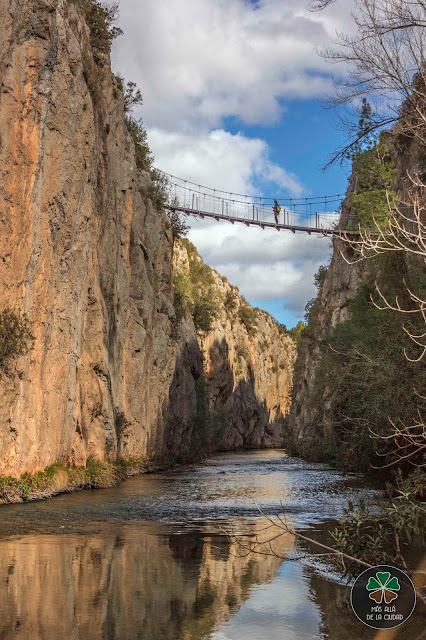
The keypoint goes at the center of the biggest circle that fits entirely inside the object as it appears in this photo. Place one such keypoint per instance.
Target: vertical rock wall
(89, 261)
(80, 251)
(248, 373)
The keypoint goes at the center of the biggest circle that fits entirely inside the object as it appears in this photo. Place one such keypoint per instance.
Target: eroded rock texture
(248, 373)
(90, 262)
(81, 253)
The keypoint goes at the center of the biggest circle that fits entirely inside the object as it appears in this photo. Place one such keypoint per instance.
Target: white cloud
(201, 61)
(264, 264)
(219, 159)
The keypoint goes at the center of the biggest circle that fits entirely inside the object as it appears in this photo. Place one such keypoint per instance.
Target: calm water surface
(150, 560)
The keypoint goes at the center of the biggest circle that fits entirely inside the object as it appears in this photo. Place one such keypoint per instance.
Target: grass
(57, 478)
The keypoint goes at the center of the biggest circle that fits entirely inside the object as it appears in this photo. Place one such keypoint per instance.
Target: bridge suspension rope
(316, 214)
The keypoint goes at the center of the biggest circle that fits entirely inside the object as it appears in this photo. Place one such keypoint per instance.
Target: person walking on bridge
(277, 210)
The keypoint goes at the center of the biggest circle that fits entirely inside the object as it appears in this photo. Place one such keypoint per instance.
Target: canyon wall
(357, 371)
(247, 364)
(308, 421)
(83, 252)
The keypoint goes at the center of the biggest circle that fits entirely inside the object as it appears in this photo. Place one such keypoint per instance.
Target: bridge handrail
(329, 199)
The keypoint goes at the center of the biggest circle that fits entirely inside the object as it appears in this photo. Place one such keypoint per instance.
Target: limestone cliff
(86, 256)
(352, 376)
(81, 252)
(247, 364)
(307, 421)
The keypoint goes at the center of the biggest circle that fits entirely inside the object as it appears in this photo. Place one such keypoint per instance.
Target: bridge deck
(260, 223)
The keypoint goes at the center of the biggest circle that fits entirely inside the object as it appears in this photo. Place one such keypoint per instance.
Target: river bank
(150, 559)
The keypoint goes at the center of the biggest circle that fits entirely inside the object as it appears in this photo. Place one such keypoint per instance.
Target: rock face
(307, 420)
(248, 371)
(89, 260)
(81, 253)
(347, 378)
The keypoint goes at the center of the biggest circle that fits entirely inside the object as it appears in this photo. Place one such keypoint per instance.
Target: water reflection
(149, 560)
(124, 584)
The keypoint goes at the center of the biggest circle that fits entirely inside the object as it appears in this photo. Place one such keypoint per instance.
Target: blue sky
(232, 101)
(302, 142)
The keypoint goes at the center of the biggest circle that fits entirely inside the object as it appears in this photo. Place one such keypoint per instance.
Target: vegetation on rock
(194, 291)
(100, 18)
(15, 336)
(375, 173)
(248, 316)
(362, 377)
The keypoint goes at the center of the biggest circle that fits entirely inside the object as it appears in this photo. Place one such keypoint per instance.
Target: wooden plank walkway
(258, 223)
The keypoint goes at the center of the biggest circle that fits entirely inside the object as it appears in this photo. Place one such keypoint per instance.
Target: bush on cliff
(295, 332)
(194, 291)
(248, 316)
(15, 336)
(375, 173)
(158, 190)
(100, 18)
(363, 378)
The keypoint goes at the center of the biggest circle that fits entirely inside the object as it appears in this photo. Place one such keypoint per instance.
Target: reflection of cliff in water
(128, 583)
(339, 621)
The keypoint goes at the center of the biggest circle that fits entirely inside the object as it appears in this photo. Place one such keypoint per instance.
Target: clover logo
(383, 587)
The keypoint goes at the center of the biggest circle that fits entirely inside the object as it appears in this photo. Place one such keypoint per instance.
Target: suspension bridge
(315, 215)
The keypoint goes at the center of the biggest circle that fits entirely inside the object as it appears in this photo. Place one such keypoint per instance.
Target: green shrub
(15, 335)
(158, 190)
(144, 157)
(382, 538)
(241, 351)
(320, 276)
(132, 96)
(204, 312)
(191, 249)
(375, 171)
(56, 479)
(362, 376)
(100, 18)
(195, 291)
(248, 316)
(296, 332)
(178, 222)
(231, 300)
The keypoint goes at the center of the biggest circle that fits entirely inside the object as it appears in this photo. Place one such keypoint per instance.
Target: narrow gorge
(118, 368)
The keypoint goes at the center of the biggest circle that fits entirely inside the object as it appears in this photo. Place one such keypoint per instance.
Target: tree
(386, 65)
(385, 61)
(404, 233)
(178, 223)
(132, 96)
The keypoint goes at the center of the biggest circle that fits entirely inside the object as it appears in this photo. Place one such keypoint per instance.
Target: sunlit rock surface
(89, 260)
(124, 584)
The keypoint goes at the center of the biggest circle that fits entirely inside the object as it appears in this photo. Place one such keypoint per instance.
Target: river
(150, 559)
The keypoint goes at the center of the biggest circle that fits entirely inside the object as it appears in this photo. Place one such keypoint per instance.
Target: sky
(233, 99)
